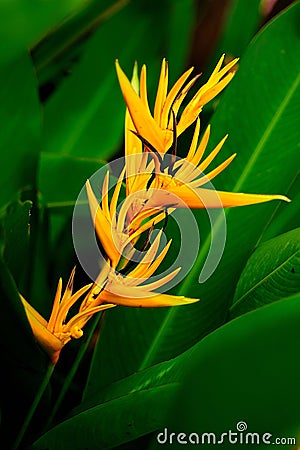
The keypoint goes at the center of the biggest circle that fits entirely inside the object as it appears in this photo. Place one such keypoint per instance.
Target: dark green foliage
(234, 356)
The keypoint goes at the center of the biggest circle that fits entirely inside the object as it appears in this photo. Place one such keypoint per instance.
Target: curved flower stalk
(182, 178)
(58, 331)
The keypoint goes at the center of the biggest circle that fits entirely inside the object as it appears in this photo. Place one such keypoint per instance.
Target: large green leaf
(263, 128)
(247, 371)
(112, 423)
(92, 123)
(24, 22)
(55, 54)
(20, 128)
(272, 272)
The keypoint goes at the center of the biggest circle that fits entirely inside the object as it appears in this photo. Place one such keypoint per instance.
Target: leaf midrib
(267, 133)
(268, 275)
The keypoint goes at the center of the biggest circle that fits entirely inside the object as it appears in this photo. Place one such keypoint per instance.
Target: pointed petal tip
(188, 300)
(120, 72)
(232, 199)
(181, 301)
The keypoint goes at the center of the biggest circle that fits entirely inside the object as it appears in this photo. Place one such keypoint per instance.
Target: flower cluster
(157, 182)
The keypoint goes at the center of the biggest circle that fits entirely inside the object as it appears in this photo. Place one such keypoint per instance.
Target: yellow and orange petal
(52, 336)
(47, 340)
(157, 129)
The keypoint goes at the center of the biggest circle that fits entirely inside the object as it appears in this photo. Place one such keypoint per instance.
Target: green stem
(73, 370)
(33, 407)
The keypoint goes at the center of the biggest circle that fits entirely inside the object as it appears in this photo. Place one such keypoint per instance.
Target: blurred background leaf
(25, 22)
(242, 19)
(58, 188)
(20, 130)
(261, 122)
(92, 122)
(62, 46)
(218, 27)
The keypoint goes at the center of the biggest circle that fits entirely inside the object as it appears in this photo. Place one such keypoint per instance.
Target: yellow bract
(55, 333)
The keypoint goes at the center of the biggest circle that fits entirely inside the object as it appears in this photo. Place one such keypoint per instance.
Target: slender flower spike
(157, 128)
(59, 330)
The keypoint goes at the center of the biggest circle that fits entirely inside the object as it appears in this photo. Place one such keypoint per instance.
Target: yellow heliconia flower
(59, 330)
(177, 183)
(132, 290)
(157, 129)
